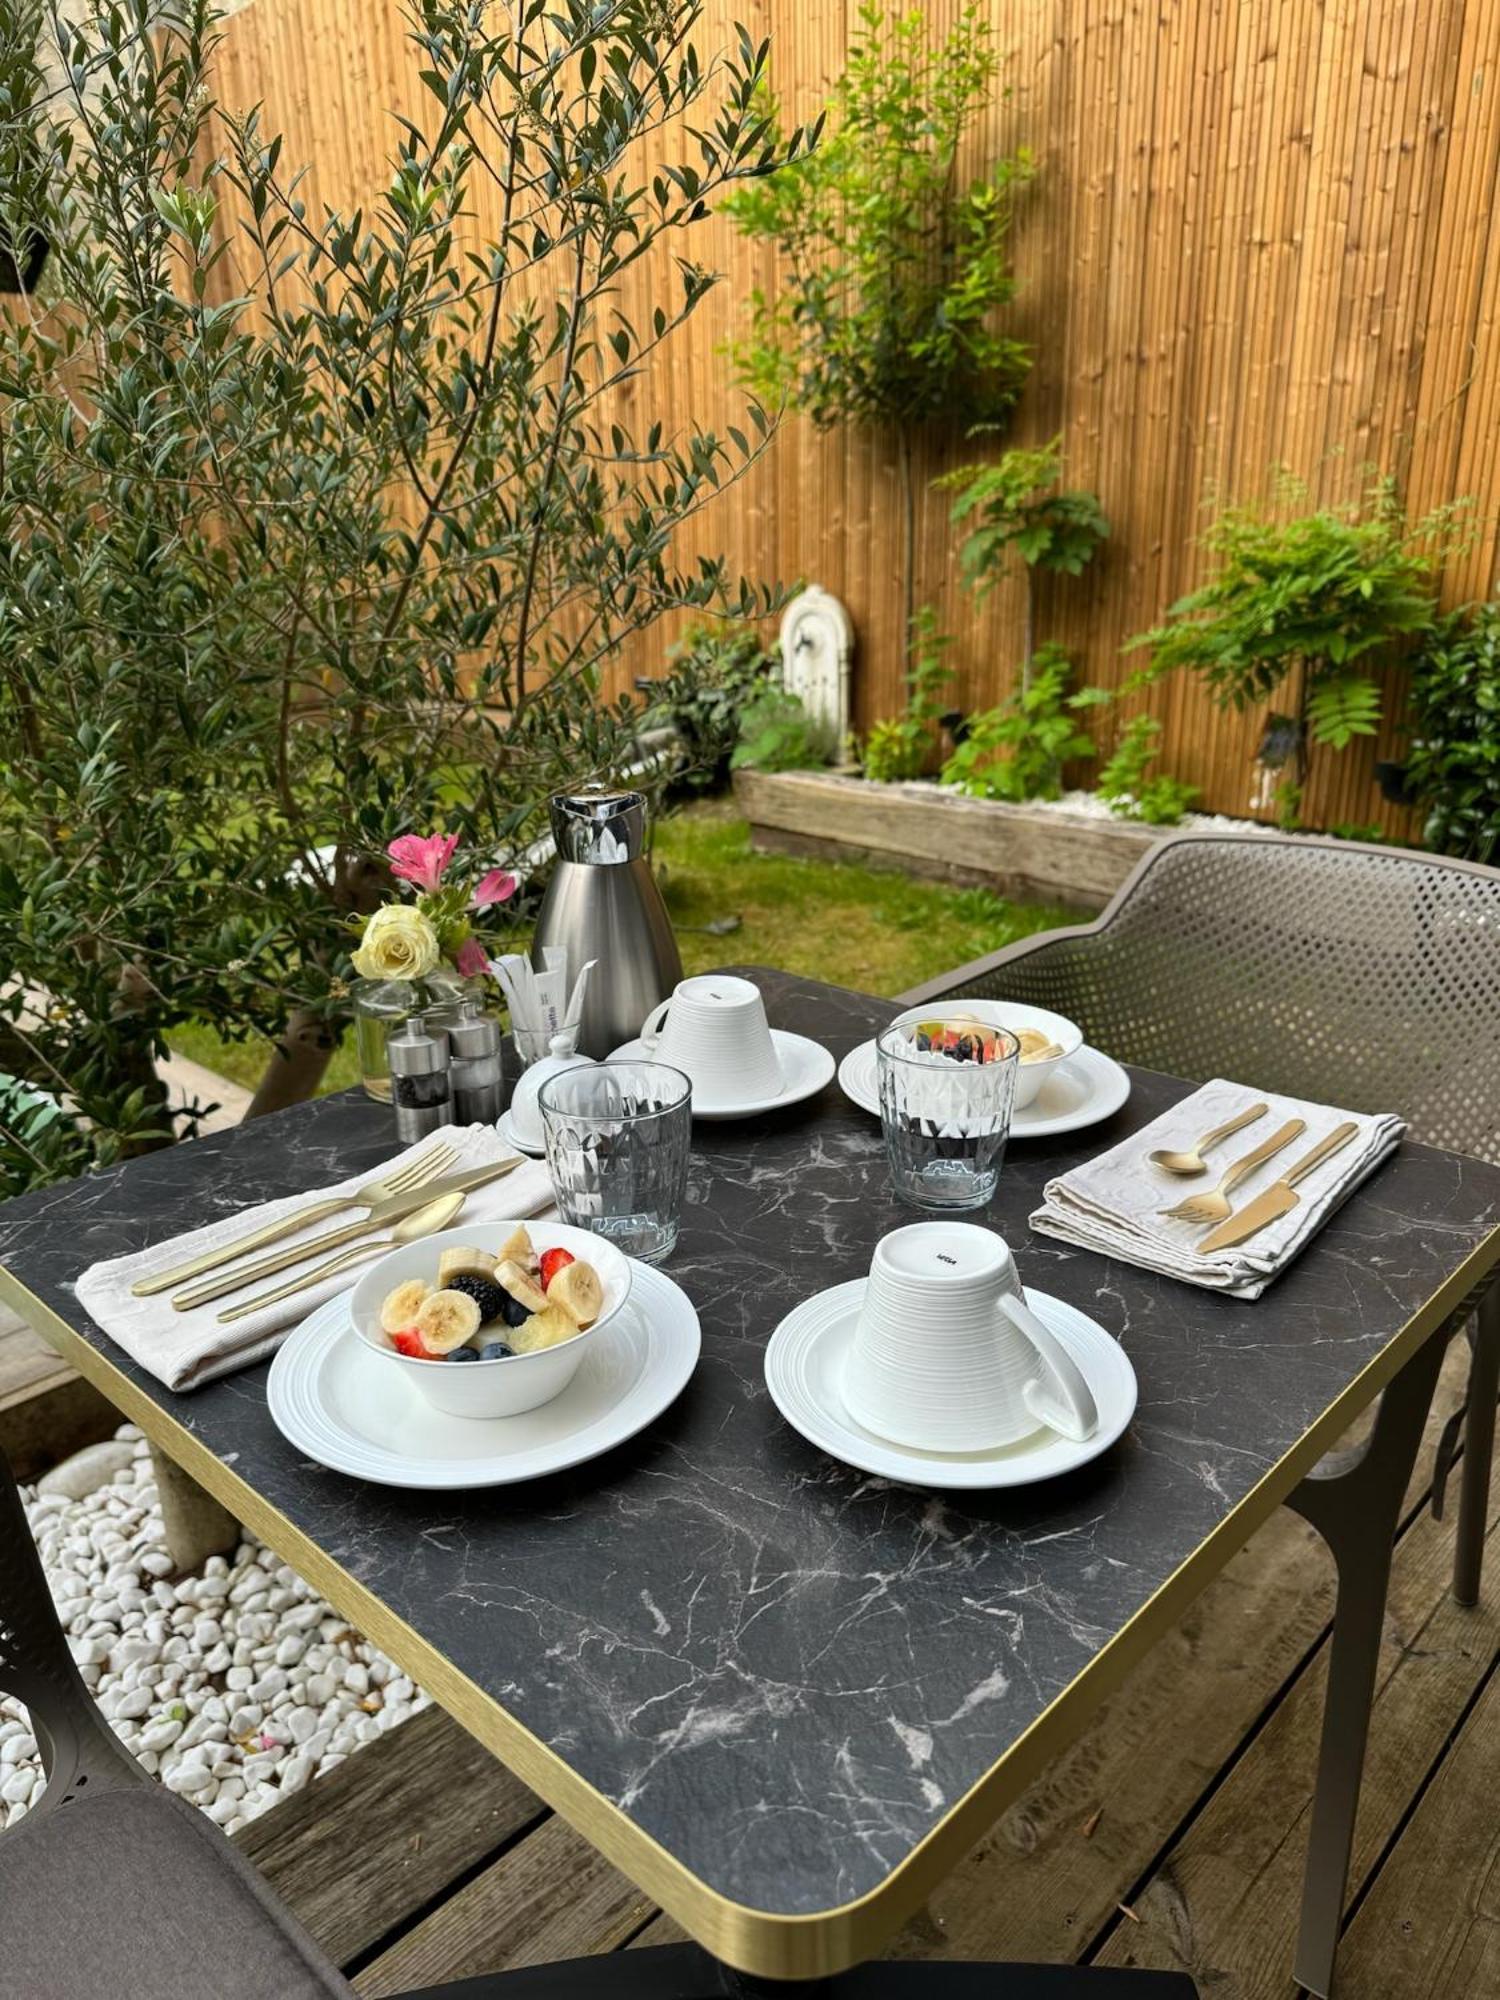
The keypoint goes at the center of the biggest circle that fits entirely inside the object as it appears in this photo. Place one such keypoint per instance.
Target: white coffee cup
(947, 1355)
(714, 1029)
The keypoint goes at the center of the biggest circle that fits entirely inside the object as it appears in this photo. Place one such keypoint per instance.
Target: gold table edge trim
(764, 1943)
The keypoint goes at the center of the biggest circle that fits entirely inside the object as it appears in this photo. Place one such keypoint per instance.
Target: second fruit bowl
(518, 1382)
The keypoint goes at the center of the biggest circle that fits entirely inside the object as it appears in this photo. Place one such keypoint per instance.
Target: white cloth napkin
(184, 1349)
(1113, 1204)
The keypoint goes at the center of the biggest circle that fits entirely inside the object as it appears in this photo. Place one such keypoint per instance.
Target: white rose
(398, 943)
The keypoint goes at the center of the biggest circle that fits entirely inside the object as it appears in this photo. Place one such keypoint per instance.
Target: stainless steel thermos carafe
(602, 903)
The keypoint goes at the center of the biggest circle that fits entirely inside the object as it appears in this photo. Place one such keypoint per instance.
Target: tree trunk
(296, 1066)
(908, 544)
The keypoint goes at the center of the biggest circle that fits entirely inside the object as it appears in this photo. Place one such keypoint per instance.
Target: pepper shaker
(475, 1070)
(419, 1081)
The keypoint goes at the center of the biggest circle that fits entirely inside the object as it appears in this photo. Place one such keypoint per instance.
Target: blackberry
(491, 1299)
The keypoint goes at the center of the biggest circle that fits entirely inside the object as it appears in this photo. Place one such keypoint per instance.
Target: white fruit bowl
(515, 1383)
(1030, 1076)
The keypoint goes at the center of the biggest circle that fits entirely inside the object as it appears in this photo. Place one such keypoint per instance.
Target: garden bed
(1036, 852)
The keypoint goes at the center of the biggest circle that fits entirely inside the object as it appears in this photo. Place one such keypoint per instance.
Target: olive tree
(320, 527)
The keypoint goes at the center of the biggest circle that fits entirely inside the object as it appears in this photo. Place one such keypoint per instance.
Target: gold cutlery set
(1234, 1226)
(417, 1200)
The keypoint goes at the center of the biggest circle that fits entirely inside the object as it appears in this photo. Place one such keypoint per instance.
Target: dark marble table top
(786, 1673)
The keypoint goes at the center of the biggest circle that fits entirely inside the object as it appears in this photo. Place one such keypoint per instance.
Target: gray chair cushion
(131, 1894)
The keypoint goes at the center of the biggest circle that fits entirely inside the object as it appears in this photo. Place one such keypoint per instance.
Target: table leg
(195, 1526)
(1479, 1445)
(1354, 1502)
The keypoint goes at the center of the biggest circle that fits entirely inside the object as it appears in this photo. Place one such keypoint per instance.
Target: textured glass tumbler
(617, 1136)
(946, 1119)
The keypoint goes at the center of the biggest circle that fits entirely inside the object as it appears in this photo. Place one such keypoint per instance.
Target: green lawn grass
(851, 925)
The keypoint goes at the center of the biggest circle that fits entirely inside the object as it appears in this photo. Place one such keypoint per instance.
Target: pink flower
(420, 861)
(496, 887)
(471, 959)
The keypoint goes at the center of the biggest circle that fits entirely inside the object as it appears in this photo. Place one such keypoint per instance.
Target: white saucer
(505, 1125)
(1087, 1087)
(805, 1067)
(332, 1398)
(804, 1364)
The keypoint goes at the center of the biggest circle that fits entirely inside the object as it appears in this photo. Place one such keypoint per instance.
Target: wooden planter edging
(1037, 856)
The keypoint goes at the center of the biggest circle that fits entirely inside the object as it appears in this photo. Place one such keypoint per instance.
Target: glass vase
(380, 1006)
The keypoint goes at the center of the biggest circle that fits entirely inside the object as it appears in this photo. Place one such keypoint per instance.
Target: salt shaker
(474, 1043)
(419, 1081)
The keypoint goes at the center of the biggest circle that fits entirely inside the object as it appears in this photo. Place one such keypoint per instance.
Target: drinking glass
(617, 1145)
(946, 1116)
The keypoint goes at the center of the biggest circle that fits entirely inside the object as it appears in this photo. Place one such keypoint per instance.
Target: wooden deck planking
(367, 1848)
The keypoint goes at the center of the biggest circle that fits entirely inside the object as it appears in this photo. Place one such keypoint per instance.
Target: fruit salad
(960, 1041)
(486, 1307)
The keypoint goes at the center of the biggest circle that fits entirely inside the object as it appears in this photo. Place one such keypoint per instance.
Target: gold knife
(390, 1211)
(1279, 1198)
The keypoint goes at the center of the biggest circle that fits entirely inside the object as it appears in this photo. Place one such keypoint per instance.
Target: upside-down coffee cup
(713, 1028)
(948, 1356)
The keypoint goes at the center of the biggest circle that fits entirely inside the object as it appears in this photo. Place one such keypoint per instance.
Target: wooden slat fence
(1264, 232)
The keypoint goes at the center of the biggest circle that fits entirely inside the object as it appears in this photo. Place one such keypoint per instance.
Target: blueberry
(495, 1350)
(511, 1310)
(463, 1354)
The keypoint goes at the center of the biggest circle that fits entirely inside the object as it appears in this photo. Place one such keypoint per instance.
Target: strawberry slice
(410, 1343)
(553, 1261)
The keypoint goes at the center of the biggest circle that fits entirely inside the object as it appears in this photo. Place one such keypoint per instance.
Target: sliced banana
(576, 1288)
(517, 1249)
(465, 1263)
(522, 1287)
(399, 1309)
(544, 1329)
(446, 1321)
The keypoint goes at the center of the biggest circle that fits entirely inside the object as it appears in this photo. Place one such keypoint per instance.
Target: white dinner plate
(805, 1067)
(1087, 1087)
(804, 1369)
(334, 1399)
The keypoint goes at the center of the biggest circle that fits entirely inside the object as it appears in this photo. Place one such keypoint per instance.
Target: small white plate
(1086, 1088)
(329, 1395)
(805, 1067)
(506, 1127)
(804, 1367)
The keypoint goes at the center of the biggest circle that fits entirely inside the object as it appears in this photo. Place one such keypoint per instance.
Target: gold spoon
(421, 1222)
(1192, 1161)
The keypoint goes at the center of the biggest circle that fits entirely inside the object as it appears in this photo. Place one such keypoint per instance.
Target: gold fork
(1213, 1205)
(416, 1173)
(422, 1222)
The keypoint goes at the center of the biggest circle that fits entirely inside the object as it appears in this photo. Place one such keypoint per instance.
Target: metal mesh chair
(112, 1885)
(1365, 976)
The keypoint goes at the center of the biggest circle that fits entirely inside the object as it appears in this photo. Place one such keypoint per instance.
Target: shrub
(713, 676)
(894, 268)
(1127, 790)
(902, 747)
(1017, 751)
(1453, 769)
(1331, 593)
(778, 734)
(1017, 504)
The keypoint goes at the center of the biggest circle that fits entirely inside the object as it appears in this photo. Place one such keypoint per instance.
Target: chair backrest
(78, 1748)
(1365, 976)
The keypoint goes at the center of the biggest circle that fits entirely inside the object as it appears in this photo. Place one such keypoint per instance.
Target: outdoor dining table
(783, 1696)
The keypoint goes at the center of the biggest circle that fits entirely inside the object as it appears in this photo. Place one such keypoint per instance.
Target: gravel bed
(236, 1686)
